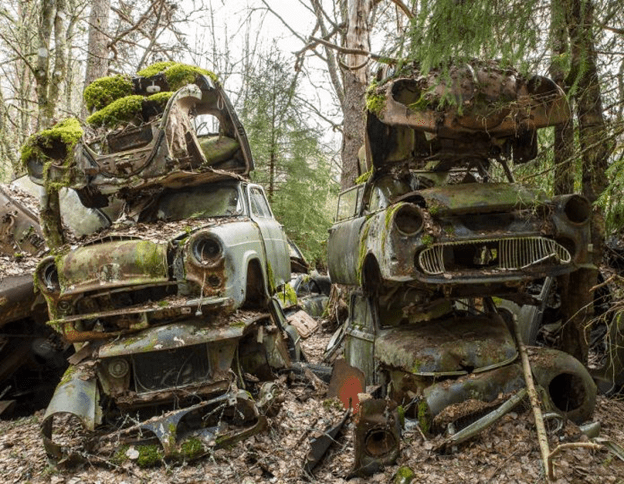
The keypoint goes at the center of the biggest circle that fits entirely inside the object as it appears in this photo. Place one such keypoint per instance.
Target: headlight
(206, 250)
(118, 368)
(48, 275)
(577, 209)
(408, 219)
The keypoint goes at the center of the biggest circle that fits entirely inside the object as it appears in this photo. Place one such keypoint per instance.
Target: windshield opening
(204, 201)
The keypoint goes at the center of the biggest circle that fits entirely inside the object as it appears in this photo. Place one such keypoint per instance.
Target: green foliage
(56, 142)
(447, 31)
(290, 159)
(611, 200)
(103, 91)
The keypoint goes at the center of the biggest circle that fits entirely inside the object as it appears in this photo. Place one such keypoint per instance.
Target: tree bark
(577, 303)
(43, 63)
(59, 71)
(355, 81)
(564, 134)
(97, 48)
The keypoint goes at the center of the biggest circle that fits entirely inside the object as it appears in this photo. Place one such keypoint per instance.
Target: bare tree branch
(403, 8)
(345, 50)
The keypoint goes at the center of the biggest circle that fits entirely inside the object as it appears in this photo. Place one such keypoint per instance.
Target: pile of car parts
(169, 298)
(428, 242)
(32, 357)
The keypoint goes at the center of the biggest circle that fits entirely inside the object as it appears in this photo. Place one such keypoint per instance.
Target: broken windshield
(200, 202)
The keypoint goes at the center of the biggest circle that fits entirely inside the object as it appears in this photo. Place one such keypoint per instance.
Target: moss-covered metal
(177, 74)
(56, 143)
(105, 90)
(375, 99)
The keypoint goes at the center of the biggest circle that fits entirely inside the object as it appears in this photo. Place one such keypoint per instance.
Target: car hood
(446, 347)
(113, 264)
(480, 198)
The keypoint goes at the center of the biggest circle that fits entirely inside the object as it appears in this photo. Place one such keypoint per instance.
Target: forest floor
(507, 452)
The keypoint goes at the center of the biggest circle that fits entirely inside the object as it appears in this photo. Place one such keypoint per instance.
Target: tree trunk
(43, 63)
(59, 70)
(355, 81)
(564, 134)
(577, 306)
(97, 48)
(6, 152)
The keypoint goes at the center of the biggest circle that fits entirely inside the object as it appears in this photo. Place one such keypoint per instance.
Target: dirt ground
(508, 452)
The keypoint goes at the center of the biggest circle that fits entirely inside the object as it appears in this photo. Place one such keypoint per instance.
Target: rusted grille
(492, 254)
(170, 369)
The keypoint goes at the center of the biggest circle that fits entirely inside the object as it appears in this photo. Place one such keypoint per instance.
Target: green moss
(404, 475)
(161, 98)
(120, 111)
(287, 295)
(68, 375)
(362, 251)
(271, 278)
(424, 418)
(192, 448)
(120, 456)
(449, 230)
(401, 412)
(55, 143)
(375, 102)
(149, 455)
(389, 216)
(154, 69)
(427, 240)
(180, 75)
(150, 259)
(333, 403)
(177, 75)
(101, 92)
(424, 101)
(363, 178)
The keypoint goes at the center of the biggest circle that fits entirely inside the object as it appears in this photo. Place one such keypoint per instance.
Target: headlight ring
(408, 220)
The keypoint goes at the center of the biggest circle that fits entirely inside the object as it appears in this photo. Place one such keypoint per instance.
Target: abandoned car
(430, 214)
(32, 356)
(431, 236)
(169, 302)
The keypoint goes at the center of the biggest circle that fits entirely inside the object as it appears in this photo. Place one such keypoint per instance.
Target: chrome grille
(516, 253)
(170, 369)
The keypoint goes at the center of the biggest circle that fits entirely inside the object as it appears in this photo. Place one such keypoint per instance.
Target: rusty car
(169, 303)
(32, 356)
(438, 227)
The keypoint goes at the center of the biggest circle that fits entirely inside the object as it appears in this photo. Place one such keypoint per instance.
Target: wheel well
(255, 290)
(371, 275)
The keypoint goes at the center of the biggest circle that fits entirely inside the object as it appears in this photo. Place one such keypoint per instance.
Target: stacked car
(436, 234)
(168, 300)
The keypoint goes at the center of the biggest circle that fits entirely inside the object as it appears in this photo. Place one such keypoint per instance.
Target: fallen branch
(542, 437)
(569, 445)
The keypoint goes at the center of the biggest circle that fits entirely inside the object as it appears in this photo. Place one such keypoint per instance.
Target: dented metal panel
(174, 335)
(113, 264)
(447, 346)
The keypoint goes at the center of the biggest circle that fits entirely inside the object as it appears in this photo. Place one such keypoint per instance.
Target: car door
(275, 242)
